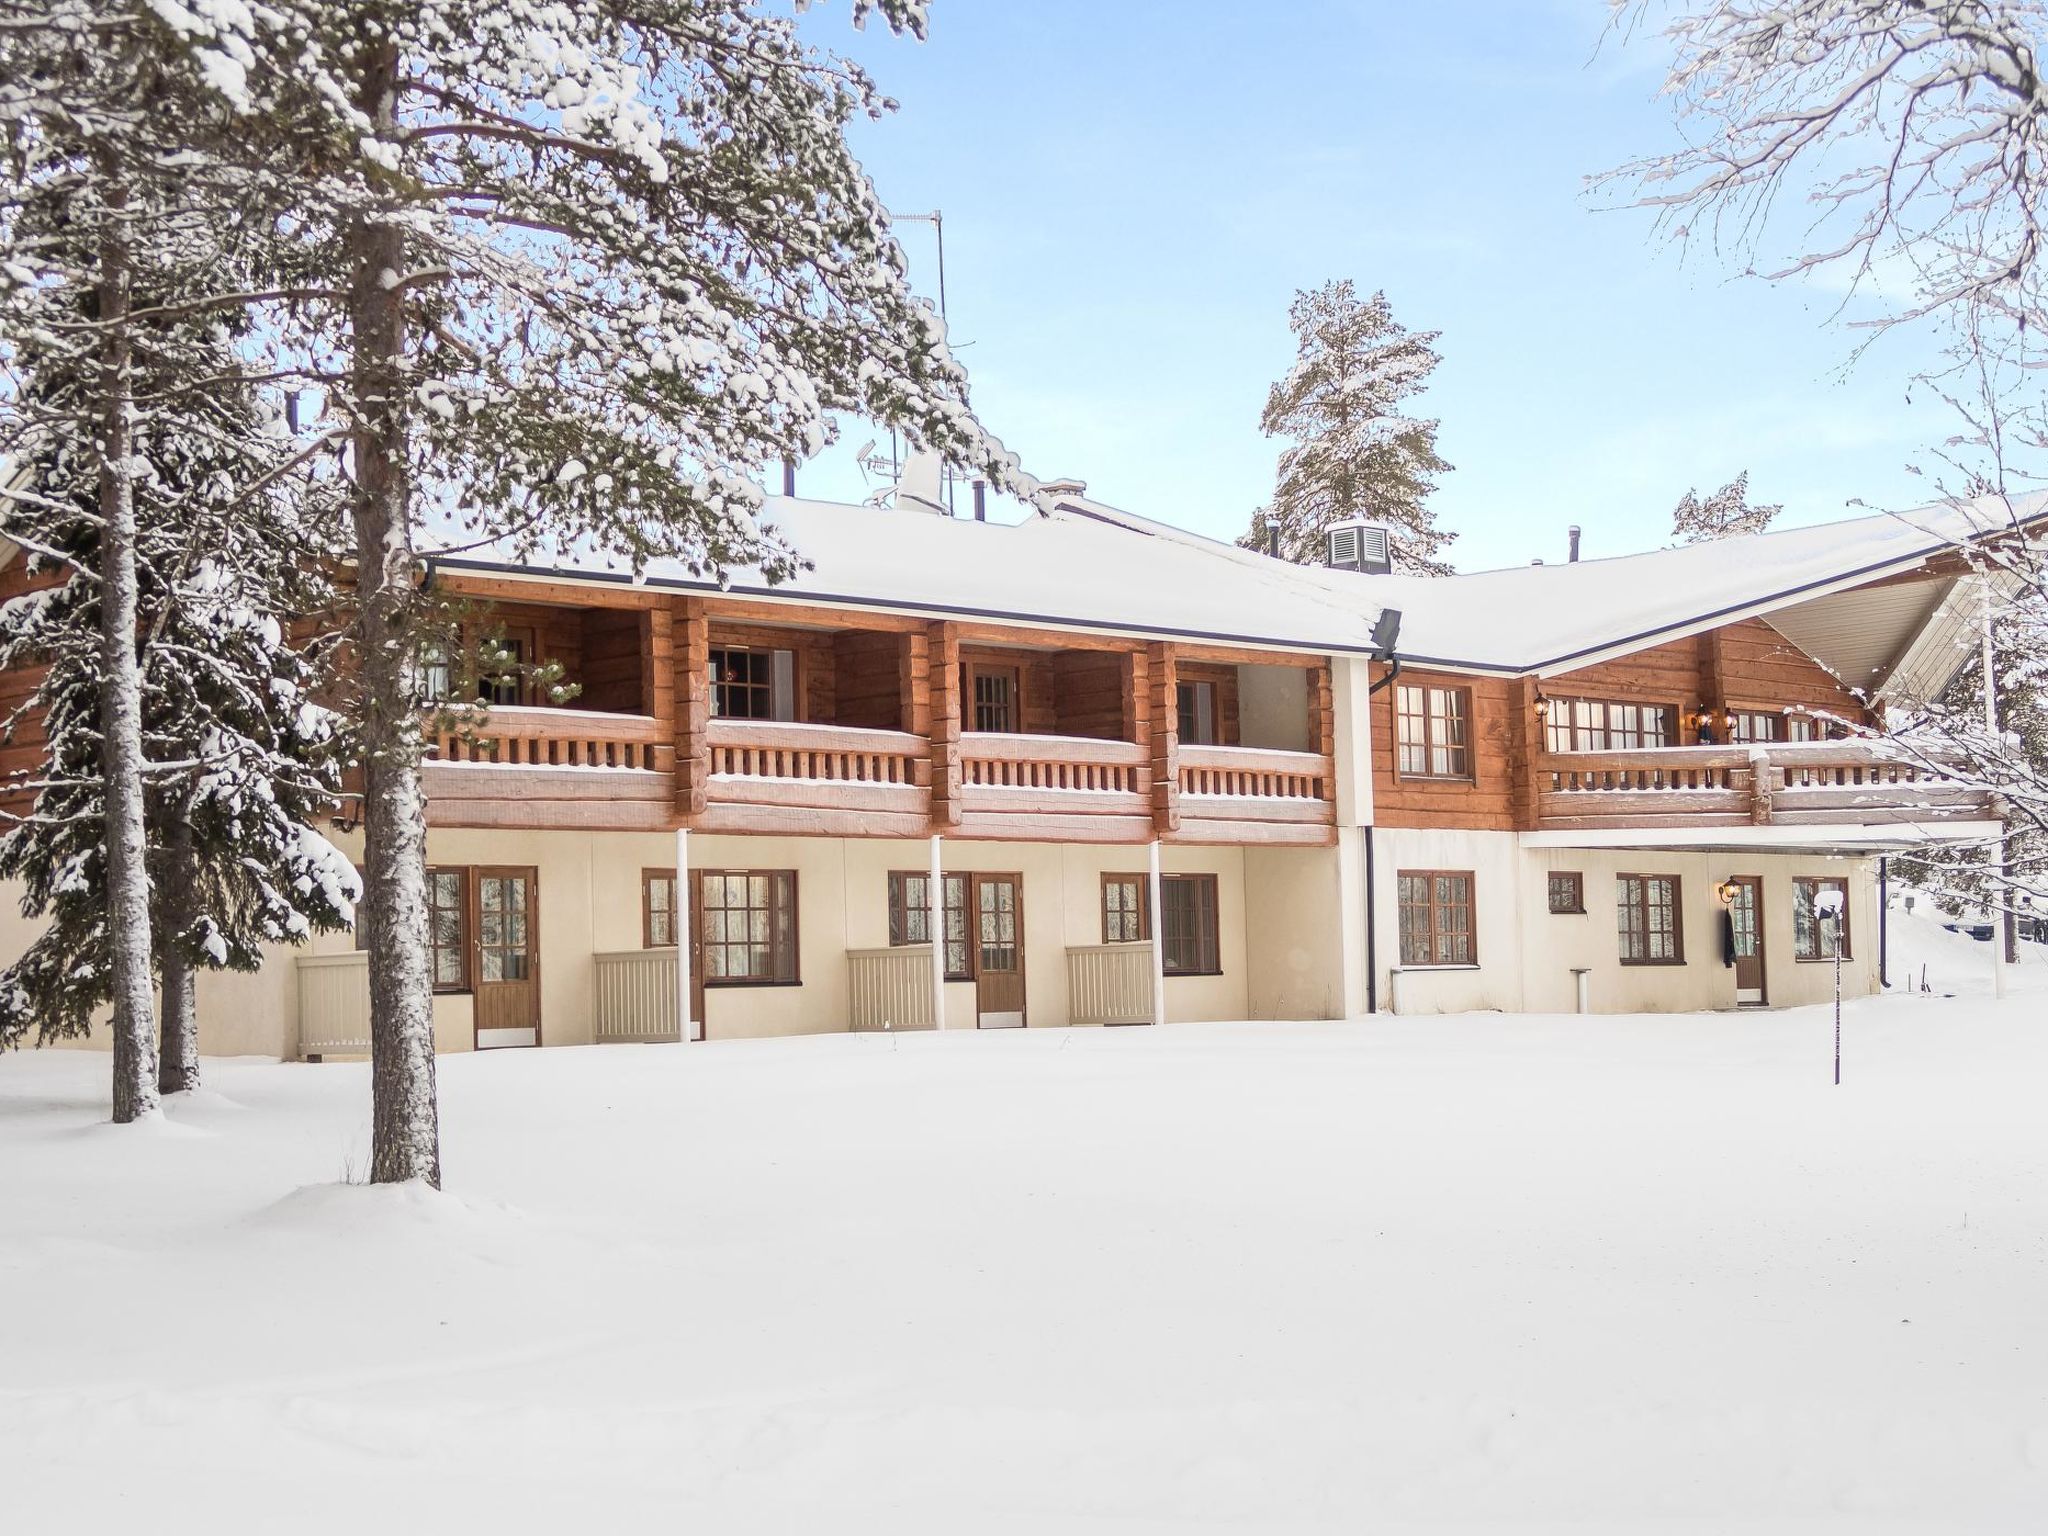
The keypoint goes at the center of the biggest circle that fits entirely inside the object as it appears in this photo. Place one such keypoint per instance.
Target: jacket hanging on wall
(1727, 936)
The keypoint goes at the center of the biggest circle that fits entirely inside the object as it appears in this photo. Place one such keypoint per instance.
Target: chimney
(788, 477)
(1273, 538)
(981, 501)
(1573, 533)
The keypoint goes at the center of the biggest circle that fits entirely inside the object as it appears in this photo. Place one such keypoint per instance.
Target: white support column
(682, 917)
(935, 925)
(1997, 884)
(1158, 940)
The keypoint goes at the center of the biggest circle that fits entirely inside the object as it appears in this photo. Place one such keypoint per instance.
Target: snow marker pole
(1838, 1013)
(1998, 856)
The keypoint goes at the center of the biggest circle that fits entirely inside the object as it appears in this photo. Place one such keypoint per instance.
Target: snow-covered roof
(1544, 618)
(1080, 567)
(1089, 566)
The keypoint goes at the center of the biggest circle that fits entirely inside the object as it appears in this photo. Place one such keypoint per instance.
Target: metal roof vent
(1366, 547)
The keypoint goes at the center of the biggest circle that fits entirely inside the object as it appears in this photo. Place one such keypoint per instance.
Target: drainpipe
(682, 919)
(1884, 912)
(935, 925)
(1372, 930)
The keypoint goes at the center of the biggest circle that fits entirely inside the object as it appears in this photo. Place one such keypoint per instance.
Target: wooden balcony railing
(1766, 784)
(1109, 984)
(553, 738)
(815, 754)
(889, 988)
(1065, 764)
(1241, 784)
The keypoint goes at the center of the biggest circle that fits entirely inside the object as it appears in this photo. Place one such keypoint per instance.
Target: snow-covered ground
(1476, 1273)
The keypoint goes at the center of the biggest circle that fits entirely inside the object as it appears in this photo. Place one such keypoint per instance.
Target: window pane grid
(1436, 917)
(1432, 731)
(1608, 725)
(1646, 916)
(910, 917)
(748, 925)
(1189, 942)
(1812, 938)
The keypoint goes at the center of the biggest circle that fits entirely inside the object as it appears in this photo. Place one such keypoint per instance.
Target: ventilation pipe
(981, 501)
(1573, 535)
(789, 477)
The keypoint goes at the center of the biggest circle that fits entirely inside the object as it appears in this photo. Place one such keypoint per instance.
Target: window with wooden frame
(910, 917)
(752, 683)
(447, 926)
(1647, 916)
(433, 678)
(1753, 725)
(1432, 731)
(1813, 938)
(1437, 917)
(1197, 711)
(1609, 725)
(748, 921)
(657, 908)
(1190, 933)
(1126, 914)
(1567, 892)
(502, 660)
(992, 696)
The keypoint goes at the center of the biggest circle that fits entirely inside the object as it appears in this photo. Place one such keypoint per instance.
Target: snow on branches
(1725, 513)
(1356, 453)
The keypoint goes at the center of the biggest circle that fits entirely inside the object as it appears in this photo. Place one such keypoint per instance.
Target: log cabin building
(1127, 774)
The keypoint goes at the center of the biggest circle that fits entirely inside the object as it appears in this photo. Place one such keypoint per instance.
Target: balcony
(1823, 784)
(517, 766)
(797, 778)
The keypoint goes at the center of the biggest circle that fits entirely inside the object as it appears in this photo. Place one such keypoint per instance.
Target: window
(1647, 916)
(447, 925)
(1812, 937)
(503, 949)
(1126, 918)
(1197, 713)
(1567, 892)
(1432, 730)
(749, 684)
(993, 697)
(502, 661)
(433, 682)
(1608, 725)
(1437, 917)
(748, 921)
(657, 908)
(1187, 915)
(1801, 728)
(1755, 725)
(910, 908)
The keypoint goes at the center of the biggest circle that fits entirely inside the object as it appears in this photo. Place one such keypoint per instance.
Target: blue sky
(1133, 191)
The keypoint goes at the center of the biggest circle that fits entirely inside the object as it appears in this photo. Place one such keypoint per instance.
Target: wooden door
(507, 929)
(997, 902)
(1746, 916)
(692, 932)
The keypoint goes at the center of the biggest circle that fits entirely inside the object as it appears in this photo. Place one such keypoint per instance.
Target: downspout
(1884, 912)
(1372, 925)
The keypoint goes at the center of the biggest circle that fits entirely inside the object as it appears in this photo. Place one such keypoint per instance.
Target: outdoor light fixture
(1542, 707)
(1725, 893)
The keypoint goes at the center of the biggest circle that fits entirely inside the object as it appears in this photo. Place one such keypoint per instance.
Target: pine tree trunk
(405, 1133)
(177, 1068)
(121, 687)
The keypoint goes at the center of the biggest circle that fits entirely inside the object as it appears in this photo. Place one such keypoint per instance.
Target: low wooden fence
(334, 1005)
(889, 988)
(1109, 984)
(636, 996)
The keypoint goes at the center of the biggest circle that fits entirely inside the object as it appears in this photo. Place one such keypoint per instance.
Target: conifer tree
(110, 202)
(1356, 453)
(584, 269)
(237, 760)
(1725, 513)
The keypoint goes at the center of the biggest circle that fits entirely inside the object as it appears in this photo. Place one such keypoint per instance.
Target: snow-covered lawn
(1515, 1272)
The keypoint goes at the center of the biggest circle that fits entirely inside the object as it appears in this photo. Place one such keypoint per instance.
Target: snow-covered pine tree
(1725, 513)
(1356, 453)
(237, 759)
(592, 266)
